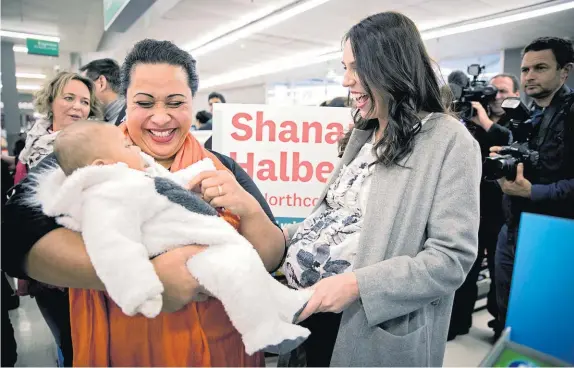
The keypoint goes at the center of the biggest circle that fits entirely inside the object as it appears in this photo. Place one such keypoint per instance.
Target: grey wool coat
(418, 242)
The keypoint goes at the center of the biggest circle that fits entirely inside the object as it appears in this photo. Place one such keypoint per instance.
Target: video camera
(475, 90)
(504, 164)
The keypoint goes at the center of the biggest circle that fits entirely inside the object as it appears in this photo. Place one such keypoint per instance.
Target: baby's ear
(100, 162)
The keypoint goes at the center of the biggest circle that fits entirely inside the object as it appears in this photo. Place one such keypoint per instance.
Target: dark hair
(108, 68)
(562, 49)
(392, 62)
(159, 52)
(515, 82)
(339, 102)
(447, 95)
(203, 116)
(216, 95)
(343, 141)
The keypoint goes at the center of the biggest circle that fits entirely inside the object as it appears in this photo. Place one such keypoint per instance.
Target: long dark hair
(395, 70)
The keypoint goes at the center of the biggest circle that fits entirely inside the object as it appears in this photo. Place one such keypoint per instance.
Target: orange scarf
(198, 335)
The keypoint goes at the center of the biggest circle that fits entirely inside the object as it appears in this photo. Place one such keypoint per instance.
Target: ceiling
(79, 24)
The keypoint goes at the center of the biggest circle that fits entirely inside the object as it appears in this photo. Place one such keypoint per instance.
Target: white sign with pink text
(289, 151)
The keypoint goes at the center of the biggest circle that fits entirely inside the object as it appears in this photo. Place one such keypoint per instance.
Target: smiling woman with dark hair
(396, 228)
(159, 81)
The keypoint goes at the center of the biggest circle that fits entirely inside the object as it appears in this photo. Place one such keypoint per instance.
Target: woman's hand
(332, 294)
(180, 288)
(220, 189)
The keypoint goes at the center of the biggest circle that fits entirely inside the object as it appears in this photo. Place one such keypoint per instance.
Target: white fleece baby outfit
(127, 216)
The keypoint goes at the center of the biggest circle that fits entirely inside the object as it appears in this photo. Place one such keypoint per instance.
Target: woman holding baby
(394, 235)
(159, 81)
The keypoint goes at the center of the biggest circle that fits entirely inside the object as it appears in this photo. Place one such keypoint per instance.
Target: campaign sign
(289, 151)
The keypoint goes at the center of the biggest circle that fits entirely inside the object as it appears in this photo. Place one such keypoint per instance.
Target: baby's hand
(151, 307)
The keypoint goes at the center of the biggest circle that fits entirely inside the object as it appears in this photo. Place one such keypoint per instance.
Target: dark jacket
(553, 178)
(206, 126)
(491, 213)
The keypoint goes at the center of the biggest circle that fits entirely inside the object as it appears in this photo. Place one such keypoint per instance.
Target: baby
(128, 209)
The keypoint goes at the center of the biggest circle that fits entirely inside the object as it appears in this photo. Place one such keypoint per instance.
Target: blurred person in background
(396, 229)
(213, 98)
(65, 99)
(12, 160)
(339, 102)
(490, 130)
(159, 80)
(203, 120)
(9, 299)
(105, 73)
(9, 348)
(446, 95)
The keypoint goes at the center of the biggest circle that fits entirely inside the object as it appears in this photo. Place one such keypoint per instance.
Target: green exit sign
(41, 47)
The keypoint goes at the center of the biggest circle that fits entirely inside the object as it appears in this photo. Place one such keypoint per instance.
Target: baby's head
(87, 143)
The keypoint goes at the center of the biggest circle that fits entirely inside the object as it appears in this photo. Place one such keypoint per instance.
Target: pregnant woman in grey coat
(396, 230)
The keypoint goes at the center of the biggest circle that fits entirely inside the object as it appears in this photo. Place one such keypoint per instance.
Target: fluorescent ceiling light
(449, 31)
(30, 75)
(28, 35)
(322, 55)
(250, 24)
(18, 48)
(28, 87)
(273, 66)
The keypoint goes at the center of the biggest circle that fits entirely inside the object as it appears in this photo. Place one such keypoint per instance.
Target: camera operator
(545, 185)
(494, 126)
(490, 130)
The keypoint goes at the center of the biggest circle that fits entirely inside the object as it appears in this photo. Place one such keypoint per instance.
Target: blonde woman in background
(64, 100)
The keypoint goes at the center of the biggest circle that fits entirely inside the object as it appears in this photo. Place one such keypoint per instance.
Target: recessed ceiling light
(272, 66)
(322, 55)
(497, 21)
(28, 87)
(250, 24)
(30, 75)
(18, 48)
(28, 35)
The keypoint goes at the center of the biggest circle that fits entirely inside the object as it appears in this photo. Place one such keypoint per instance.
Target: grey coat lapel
(356, 142)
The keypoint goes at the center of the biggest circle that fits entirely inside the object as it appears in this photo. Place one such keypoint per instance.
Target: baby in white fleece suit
(128, 211)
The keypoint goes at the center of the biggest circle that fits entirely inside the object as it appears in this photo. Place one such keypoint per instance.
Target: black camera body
(476, 90)
(505, 163)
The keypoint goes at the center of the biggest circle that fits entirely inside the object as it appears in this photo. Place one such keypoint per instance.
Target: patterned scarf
(39, 143)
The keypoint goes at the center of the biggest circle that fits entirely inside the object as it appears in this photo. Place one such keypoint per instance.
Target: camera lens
(499, 166)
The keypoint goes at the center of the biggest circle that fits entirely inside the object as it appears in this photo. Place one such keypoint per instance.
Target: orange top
(200, 334)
